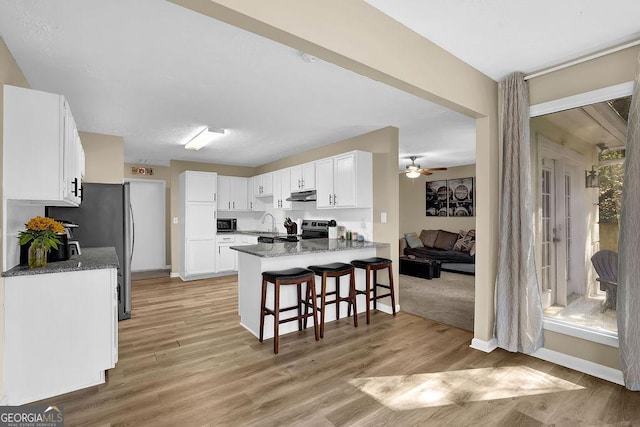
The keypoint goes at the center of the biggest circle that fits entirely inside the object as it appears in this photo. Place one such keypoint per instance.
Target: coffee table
(420, 267)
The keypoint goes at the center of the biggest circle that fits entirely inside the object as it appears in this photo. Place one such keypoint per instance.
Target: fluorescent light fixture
(207, 135)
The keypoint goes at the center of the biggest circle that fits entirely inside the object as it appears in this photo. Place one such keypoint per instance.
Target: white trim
(583, 59)
(386, 308)
(580, 365)
(573, 330)
(582, 99)
(486, 346)
(174, 274)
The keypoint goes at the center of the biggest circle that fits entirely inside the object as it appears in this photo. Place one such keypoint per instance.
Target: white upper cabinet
(303, 177)
(281, 190)
(263, 185)
(232, 193)
(345, 181)
(201, 186)
(43, 159)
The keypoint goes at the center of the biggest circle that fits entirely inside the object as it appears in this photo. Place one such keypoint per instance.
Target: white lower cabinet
(61, 333)
(226, 256)
(200, 257)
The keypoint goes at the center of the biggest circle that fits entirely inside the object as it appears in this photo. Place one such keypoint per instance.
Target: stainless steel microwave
(227, 224)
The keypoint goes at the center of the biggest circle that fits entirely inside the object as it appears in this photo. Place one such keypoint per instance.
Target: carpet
(449, 299)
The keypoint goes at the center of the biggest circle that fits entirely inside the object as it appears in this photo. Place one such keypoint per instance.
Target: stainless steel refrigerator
(105, 218)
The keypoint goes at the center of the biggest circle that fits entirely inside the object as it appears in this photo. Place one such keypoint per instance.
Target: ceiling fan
(414, 171)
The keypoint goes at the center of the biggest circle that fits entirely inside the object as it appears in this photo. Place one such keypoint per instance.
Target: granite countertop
(91, 259)
(310, 246)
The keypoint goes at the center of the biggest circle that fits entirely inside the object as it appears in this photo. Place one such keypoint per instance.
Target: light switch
(175, 219)
(383, 217)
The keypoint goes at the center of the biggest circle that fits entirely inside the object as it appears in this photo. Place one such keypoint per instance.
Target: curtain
(628, 301)
(518, 309)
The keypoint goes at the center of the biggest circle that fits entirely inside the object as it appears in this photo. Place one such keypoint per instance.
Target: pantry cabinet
(345, 181)
(198, 225)
(232, 193)
(40, 129)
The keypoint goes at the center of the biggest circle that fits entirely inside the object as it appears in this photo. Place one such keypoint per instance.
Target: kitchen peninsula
(254, 259)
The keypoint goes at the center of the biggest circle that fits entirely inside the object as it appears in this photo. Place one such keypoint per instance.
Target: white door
(548, 270)
(148, 206)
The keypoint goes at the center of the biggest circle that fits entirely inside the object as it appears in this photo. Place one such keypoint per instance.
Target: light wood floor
(186, 361)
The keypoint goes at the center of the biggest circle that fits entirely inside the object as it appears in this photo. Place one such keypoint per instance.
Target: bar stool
(292, 276)
(335, 270)
(373, 265)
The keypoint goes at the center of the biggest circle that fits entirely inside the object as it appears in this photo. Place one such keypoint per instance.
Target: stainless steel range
(315, 229)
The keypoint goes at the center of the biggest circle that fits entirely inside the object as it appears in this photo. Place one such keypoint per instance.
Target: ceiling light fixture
(203, 138)
(413, 170)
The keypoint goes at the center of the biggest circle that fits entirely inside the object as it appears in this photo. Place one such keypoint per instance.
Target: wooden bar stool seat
(373, 265)
(292, 276)
(336, 270)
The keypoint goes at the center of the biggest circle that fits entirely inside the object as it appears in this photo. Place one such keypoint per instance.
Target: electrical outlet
(175, 219)
(383, 217)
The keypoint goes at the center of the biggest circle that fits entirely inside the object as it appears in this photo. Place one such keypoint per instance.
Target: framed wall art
(437, 197)
(453, 197)
(461, 197)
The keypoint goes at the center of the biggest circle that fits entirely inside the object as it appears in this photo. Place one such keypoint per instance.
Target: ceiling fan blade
(425, 172)
(435, 169)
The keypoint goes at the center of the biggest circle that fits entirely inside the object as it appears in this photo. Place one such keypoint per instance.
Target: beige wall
(104, 158)
(606, 71)
(10, 74)
(413, 217)
(380, 48)
(160, 173)
(176, 168)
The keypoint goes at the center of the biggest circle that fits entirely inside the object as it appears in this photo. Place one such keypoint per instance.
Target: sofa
(456, 251)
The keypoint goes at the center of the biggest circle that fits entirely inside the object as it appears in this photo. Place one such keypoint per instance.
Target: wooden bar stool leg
(368, 294)
(337, 297)
(323, 303)
(263, 301)
(314, 305)
(299, 286)
(393, 294)
(375, 289)
(276, 317)
(353, 295)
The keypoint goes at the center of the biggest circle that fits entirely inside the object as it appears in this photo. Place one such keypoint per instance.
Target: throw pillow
(413, 241)
(428, 237)
(446, 240)
(464, 242)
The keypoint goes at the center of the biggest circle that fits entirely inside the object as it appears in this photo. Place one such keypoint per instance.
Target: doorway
(148, 204)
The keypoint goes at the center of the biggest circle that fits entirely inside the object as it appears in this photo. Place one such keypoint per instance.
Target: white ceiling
(499, 37)
(156, 73)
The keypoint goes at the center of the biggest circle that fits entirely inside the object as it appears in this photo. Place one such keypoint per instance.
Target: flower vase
(37, 255)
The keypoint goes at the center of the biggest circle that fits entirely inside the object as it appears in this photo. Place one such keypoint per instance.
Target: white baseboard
(174, 274)
(486, 346)
(580, 365)
(386, 308)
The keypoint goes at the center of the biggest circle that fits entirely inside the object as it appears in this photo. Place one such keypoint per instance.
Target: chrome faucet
(273, 221)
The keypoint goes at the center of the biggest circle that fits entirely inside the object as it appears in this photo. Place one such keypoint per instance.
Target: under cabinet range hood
(302, 196)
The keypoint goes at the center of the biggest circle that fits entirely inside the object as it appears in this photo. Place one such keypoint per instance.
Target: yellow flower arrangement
(42, 231)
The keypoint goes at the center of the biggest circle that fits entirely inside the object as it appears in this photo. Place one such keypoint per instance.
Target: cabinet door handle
(81, 192)
(75, 187)
(335, 200)
(303, 184)
(234, 205)
(215, 195)
(218, 249)
(329, 199)
(229, 205)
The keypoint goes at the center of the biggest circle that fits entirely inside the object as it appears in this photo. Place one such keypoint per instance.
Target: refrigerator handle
(133, 233)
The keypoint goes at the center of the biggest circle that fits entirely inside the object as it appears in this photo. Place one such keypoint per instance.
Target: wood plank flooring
(186, 361)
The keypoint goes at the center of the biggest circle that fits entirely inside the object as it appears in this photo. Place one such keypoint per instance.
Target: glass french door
(556, 192)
